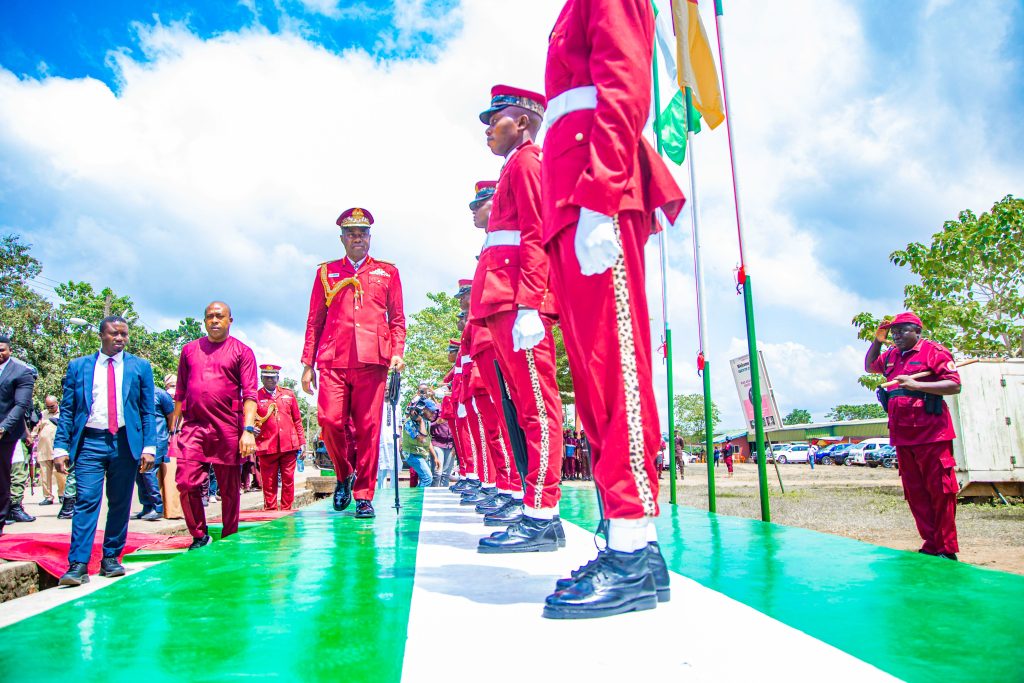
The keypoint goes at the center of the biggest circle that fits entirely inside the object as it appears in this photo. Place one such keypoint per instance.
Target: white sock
(652, 533)
(518, 495)
(472, 475)
(627, 535)
(507, 492)
(541, 513)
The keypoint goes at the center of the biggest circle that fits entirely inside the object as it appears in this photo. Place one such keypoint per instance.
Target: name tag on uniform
(333, 274)
(380, 271)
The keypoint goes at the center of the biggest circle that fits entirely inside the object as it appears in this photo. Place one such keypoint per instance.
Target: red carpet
(50, 551)
(258, 515)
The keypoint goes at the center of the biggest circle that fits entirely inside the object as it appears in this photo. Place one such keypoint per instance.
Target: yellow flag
(697, 69)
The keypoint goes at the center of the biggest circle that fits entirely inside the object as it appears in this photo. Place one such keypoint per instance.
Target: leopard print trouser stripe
(630, 378)
(472, 448)
(483, 447)
(545, 436)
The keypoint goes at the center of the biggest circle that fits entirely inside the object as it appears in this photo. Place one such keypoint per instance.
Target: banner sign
(769, 409)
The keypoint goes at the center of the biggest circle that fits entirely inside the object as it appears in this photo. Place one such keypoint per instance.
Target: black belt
(908, 392)
(93, 431)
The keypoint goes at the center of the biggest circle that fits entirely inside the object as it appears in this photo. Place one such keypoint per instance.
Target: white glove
(528, 330)
(461, 412)
(596, 244)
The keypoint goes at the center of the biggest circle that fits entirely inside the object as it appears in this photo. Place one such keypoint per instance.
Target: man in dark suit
(16, 382)
(106, 428)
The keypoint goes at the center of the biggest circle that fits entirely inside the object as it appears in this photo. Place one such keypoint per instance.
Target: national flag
(696, 64)
(675, 122)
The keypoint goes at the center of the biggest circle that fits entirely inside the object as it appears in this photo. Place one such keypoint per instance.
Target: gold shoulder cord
(331, 292)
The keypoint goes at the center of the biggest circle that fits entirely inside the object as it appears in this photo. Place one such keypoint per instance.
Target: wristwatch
(250, 429)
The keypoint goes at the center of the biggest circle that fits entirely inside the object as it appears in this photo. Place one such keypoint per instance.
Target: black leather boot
(508, 514)
(343, 493)
(463, 484)
(474, 496)
(364, 510)
(76, 575)
(617, 583)
(16, 513)
(67, 508)
(492, 504)
(655, 561)
(528, 535)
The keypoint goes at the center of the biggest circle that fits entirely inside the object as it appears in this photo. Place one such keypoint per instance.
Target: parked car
(687, 457)
(795, 453)
(828, 454)
(884, 456)
(858, 454)
(840, 452)
(776, 450)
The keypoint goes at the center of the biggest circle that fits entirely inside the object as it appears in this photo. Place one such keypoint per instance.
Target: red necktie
(111, 397)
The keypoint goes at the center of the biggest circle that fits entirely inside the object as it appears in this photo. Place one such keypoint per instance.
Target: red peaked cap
(269, 369)
(465, 283)
(355, 218)
(506, 96)
(903, 319)
(484, 190)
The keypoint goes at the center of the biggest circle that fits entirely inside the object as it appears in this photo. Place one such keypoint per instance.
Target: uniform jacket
(909, 424)
(355, 330)
(282, 432)
(598, 158)
(16, 382)
(514, 275)
(136, 394)
(472, 380)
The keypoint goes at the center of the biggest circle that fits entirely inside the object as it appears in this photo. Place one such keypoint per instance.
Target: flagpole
(743, 280)
(703, 365)
(663, 251)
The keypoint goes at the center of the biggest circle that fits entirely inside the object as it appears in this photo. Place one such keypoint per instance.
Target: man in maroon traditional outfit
(216, 396)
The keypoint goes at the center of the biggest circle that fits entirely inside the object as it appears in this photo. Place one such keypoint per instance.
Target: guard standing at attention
(602, 184)
(280, 439)
(511, 297)
(355, 334)
(920, 426)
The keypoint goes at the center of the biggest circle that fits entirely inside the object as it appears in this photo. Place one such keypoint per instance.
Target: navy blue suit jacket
(76, 404)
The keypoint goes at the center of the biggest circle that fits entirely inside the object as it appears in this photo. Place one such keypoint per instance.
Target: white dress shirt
(98, 414)
(357, 265)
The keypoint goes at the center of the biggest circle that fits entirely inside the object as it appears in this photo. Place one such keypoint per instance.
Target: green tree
(863, 411)
(426, 342)
(689, 410)
(797, 416)
(970, 288)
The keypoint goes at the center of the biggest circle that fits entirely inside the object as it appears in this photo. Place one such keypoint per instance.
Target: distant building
(850, 431)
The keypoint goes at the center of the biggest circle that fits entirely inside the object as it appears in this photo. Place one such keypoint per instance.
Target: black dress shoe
(151, 516)
(110, 567)
(528, 535)
(46, 501)
(343, 493)
(140, 514)
(76, 575)
(507, 515)
(18, 514)
(947, 556)
(200, 542)
(67, 508)
(364, 510)
(616, 583)
(492, 504)
(462, 484)
(474, 496)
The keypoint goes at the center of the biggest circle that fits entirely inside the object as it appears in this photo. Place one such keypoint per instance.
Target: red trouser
(506, 477)
(928, 471)
(533, 386)
(508, 474)
(355, 394)
(190, 476)
(269, 465)
(464, 447)
(483, 459)
(606, 325)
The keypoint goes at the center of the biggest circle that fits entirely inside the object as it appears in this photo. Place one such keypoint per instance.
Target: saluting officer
(602, 183)
(281, 437)
(355, 334)
(920, 427)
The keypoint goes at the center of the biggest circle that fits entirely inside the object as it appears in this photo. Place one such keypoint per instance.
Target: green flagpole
(698, 270)
(663, 244)
(743, 279)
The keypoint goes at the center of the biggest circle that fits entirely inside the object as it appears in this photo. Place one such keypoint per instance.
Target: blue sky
(185, 151)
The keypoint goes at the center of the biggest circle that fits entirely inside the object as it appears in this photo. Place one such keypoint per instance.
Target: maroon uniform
(356, 325)
(924, 444)
(281, 438)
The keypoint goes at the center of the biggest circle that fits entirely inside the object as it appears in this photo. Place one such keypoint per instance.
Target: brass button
(579, 137)
(506, 262)
(357, 324)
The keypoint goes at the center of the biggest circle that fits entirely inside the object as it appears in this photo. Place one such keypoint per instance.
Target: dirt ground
(858, 502)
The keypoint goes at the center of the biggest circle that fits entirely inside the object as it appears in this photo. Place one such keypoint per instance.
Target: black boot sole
(113, 574)
(73, 582)
(636, 605)
(522, 548)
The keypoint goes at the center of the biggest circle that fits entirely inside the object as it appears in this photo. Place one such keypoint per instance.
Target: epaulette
(386, 263)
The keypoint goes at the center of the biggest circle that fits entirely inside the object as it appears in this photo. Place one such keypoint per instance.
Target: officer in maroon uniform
(602, 181)
(280, 439)
(355, 334)
(920, 426)
(512, 298)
